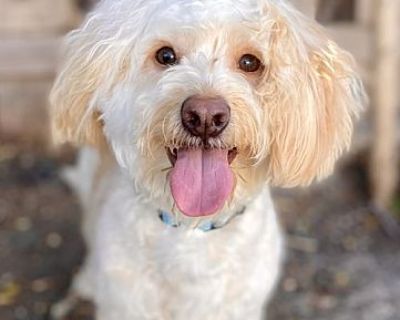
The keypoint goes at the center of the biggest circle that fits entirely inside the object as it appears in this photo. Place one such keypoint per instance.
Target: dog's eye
(166, 56)
(249, 63)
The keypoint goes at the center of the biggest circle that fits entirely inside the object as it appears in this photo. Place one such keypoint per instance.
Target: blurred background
(343, 237)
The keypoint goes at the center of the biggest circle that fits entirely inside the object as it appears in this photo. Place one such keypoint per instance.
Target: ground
(340, 265)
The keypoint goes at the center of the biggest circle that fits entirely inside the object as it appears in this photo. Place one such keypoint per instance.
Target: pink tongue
(201, 181)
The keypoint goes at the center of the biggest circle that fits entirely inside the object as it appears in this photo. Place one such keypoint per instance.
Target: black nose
(205, 117)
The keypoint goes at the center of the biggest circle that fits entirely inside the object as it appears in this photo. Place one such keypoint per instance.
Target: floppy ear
(91, 67)
(311, 95)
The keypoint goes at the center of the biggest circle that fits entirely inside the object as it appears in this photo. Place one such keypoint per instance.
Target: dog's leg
(81, 289)
(62, 308)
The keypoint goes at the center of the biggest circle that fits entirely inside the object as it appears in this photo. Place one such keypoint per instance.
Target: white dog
(190, 110)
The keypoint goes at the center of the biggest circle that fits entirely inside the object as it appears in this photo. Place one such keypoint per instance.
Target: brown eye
(249, 63)
(166, 56)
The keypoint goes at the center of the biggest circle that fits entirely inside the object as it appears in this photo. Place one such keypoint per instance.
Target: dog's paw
(61, 309)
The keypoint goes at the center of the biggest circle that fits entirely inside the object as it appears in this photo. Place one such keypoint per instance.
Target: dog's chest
(178, 271)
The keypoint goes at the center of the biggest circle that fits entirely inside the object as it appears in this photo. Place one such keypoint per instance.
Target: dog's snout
(205, 117)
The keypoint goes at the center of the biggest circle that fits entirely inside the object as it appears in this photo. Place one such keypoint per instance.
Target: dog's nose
(205, 117)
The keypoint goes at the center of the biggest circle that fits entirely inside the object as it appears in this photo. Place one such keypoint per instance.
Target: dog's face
(204, 101)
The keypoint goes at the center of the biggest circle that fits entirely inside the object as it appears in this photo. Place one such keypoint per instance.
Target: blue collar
(169, 220)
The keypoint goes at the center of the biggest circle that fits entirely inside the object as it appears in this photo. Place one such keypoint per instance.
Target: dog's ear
(91, 67)
(311, 95)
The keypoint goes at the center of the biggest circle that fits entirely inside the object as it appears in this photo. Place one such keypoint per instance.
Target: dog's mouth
(173, 155)
(201, 179)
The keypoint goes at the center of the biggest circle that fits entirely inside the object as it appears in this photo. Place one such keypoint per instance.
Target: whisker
(173, 210)
(166, 183)
(242, 178)
(166, 169)
(163, 128)
(196, 223)
(241, 167)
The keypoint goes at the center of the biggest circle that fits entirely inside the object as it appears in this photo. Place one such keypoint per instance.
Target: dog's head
(204, 101)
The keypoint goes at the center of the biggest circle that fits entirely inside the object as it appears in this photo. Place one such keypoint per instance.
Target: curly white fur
(289, 122)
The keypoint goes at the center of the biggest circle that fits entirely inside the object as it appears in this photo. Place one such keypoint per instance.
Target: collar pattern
(169, 220)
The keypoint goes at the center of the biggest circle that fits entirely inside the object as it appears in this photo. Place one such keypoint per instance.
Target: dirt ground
(340, 265)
